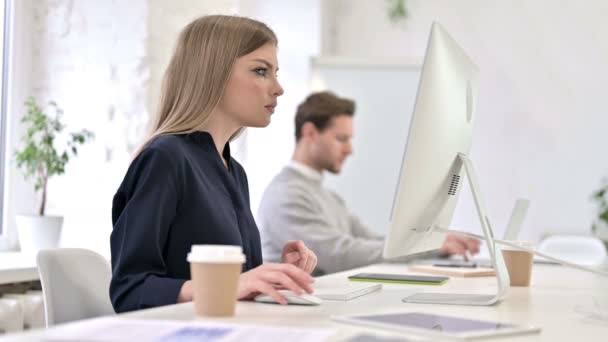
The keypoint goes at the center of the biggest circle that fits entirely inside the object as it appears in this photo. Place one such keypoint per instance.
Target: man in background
(296, 205)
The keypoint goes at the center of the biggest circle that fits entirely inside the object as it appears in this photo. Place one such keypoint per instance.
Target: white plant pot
(38, 232)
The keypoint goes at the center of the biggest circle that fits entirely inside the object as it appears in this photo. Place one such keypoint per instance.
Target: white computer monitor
(432, 168)
(433, 164)
(441, 128)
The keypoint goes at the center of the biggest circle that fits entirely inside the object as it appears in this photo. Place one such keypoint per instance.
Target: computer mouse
(292, 298)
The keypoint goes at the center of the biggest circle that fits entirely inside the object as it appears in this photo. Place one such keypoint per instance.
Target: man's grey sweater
(296, 206)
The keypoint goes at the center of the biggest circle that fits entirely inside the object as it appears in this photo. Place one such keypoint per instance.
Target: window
(4, 154)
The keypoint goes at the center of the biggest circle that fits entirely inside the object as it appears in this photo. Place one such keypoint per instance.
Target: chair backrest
(75, 284)
(578, 249)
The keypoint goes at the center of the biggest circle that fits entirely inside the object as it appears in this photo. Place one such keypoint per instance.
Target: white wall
(542, 111)
(298, 29)
(102, 62)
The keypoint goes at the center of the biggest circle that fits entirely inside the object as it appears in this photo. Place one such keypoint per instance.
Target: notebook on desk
(344, 291)
(464, 272)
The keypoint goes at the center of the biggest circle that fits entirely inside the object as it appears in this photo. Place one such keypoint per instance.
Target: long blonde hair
(199, 69)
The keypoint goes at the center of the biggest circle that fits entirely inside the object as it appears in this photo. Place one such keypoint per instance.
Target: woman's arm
(142, 213)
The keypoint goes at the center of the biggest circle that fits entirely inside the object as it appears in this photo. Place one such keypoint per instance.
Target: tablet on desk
(399, 278)
(438, 326)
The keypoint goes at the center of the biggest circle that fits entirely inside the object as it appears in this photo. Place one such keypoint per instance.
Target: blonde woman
(184, 188)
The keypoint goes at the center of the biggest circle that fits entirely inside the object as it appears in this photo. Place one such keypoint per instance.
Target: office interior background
(541, 114)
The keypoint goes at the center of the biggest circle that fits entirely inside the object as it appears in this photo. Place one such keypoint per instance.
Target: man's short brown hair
(320, 108)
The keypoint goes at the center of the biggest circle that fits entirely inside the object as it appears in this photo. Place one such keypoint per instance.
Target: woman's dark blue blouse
(176, 193)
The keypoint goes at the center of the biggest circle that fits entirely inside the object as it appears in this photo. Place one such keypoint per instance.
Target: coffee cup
(215, 271)
(519, 262)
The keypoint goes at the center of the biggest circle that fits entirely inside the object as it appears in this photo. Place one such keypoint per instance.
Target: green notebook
(399, 279)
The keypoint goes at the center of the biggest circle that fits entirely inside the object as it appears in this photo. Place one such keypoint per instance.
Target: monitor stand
(498, 262)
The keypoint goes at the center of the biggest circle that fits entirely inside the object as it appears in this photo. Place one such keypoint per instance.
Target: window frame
(4, 77)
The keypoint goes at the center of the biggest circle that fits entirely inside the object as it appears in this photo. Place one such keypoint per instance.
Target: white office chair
(75, 284)
(581, 250)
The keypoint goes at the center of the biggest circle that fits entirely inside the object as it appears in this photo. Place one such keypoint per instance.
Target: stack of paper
(141, 330)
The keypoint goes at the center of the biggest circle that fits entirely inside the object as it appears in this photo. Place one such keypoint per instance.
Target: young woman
(184, 188)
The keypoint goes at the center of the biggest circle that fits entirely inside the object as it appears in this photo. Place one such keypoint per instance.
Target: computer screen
(440, 129)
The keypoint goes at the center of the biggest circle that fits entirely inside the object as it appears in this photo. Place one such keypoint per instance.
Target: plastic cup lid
(216, 254)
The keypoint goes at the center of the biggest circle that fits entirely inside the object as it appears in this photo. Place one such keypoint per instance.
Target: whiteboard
(384, 93)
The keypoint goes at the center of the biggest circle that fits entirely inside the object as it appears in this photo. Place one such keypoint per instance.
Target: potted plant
(38, 159)
(397, 10)
(600, 224)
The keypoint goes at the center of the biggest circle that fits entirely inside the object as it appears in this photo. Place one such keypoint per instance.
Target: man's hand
(460, 245)
(296, 253)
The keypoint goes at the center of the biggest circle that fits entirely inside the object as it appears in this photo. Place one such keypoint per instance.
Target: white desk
(549, 303)
(17, 267)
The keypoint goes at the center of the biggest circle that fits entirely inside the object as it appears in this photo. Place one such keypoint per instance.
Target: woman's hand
(185, 293)
(296, 253)
(267, 278)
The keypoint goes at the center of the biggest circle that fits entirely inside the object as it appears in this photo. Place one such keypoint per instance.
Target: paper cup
(215, 271)
(519, 263)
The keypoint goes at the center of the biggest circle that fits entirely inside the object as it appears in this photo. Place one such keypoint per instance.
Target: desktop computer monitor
(435, 156)
(440, 130)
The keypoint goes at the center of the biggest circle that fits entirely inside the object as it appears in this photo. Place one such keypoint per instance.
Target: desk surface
(17, 267)
(548, 303)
